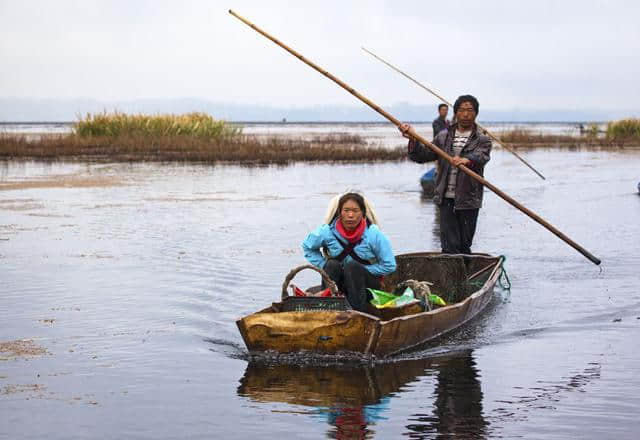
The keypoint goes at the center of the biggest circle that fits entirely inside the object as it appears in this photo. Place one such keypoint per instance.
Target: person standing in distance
(441, 122)
(458, 195)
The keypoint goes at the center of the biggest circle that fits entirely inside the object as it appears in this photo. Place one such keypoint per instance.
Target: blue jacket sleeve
(386, 261)
(313, 243)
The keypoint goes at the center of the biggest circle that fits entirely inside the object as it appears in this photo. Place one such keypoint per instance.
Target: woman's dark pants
(352, 280)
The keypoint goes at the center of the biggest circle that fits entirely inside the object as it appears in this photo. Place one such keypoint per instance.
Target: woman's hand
(406, 130)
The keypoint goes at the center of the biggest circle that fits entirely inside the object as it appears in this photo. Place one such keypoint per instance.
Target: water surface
(126, 281)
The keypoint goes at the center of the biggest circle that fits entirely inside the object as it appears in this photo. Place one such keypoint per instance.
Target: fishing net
(448, 274)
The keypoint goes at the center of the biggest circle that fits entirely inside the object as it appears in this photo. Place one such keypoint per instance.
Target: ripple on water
(195, 249)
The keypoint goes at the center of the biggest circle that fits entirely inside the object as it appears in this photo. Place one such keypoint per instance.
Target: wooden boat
(328, 325)
(428, 182)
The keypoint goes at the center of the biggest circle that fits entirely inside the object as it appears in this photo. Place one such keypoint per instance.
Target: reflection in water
(126, 289)
(436, 224)
(435, 229)
(458, 403)
(354, 398)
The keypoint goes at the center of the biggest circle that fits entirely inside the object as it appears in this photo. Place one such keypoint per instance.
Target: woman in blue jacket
(358, 253)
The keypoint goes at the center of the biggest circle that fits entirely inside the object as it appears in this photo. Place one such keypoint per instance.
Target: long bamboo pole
(421, 139)
(491, 135)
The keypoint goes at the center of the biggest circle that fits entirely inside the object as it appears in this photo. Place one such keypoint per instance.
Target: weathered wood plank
(322, 332)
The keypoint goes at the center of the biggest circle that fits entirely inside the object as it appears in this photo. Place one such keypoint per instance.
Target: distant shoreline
(241, 149)
(70, 123)
(197, 137)
(250, 150)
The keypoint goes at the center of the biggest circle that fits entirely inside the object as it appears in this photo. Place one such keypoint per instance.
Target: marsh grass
(590, 138)
(192, 137)
(187, 148)
(519, 137)
(118, 124)
(624, 131)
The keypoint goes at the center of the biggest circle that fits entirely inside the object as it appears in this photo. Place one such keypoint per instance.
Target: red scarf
(353, 236)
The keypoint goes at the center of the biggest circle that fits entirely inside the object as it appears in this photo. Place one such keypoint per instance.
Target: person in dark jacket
(458, 195)
(441, 122)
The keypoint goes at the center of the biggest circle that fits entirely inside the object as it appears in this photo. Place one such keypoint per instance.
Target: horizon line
(324, 122)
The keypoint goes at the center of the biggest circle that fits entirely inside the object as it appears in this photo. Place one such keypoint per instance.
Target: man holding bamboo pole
(409, 132)
(457, 194)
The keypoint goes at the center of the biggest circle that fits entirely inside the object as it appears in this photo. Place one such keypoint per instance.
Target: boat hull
(428, 182)
(380, 333)
(326, 332)
(403, 333)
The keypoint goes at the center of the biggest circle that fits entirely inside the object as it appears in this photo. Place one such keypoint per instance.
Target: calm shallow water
(133, 290)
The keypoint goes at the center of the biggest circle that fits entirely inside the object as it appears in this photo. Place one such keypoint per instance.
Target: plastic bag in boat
(435, 299)
(383, 300)
(299, 292)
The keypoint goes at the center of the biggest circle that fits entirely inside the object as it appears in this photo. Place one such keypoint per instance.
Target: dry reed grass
(624, 131)
(117, 124)
(187, 148)
(527, 139)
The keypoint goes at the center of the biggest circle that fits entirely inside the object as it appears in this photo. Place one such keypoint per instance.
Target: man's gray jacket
(477, 150)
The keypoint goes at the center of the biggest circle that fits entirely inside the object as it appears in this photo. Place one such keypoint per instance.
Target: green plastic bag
(383, 300)
(435, 299)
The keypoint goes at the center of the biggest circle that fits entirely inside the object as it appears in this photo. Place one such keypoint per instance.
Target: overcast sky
(534, 54)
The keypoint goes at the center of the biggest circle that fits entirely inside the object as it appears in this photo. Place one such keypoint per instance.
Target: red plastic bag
(299, 292)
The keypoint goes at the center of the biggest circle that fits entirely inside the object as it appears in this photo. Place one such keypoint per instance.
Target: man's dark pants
(352, 280)
(456, 228)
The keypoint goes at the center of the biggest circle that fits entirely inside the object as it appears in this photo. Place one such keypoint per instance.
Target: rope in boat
(504, 280)
(421, 291)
